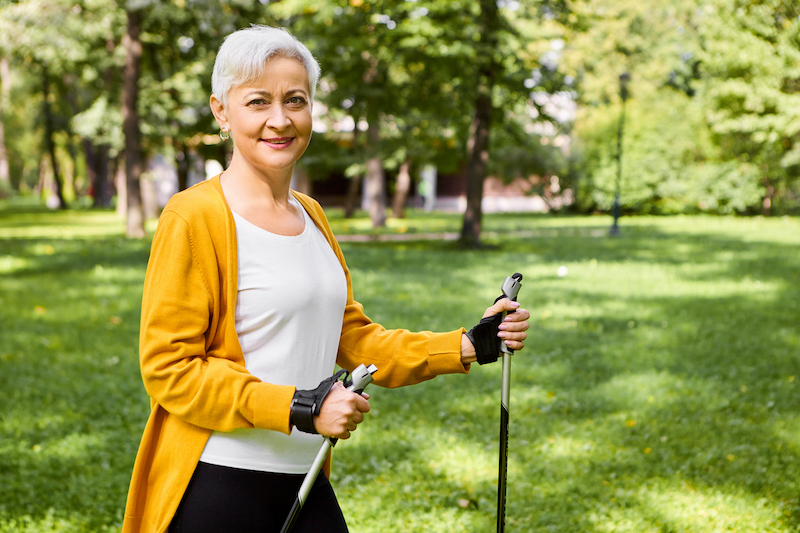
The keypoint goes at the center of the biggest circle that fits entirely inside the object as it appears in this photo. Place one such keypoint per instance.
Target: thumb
(504, 304)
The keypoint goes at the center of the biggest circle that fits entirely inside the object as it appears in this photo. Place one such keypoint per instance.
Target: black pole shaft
(293, 514)
(510, 289)
(503, 468)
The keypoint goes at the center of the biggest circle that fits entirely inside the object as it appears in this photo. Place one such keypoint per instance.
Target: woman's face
(270, 118)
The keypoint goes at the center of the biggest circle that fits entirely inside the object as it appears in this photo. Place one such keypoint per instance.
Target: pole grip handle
(357, 382)
(510, 289)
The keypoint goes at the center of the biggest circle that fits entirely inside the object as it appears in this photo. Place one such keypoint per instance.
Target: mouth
(280, 141)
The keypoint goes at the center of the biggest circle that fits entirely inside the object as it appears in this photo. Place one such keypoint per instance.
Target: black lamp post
(623, 92)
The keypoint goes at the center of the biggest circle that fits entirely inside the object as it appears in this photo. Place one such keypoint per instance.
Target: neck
(258, 185)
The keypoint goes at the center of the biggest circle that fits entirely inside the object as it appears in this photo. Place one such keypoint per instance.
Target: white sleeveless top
(290, 305)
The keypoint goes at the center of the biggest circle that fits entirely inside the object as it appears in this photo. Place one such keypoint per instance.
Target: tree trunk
(401, 190)
(5, 88)
(121, 187)
(90, 155)
(134, 213)
(48, 137)
(352, 197)
(102, 196)
(147, 188)
(375, 177)
(478, 144)
(72, 179)
(182, 162)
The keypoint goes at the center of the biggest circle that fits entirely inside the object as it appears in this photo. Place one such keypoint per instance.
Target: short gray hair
(243, 54)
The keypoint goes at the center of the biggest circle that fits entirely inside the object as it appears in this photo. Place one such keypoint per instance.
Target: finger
(520, 315)
(362, 404)
(513, 335)
(515, 345)
(513, 326)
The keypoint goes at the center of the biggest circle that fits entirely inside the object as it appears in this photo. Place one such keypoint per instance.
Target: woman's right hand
(341, 412)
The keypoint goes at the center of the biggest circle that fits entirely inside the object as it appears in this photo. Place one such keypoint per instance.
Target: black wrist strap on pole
(484, 337)
(306, 404)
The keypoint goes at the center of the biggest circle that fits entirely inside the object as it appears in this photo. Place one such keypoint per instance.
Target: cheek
(307, 124)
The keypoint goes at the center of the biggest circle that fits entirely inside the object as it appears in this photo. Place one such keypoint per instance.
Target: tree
(65, 44)
(478, 144)
(751, 61)
(712, 123)
(653, 42)
(49, 132)
(395, 69)
(132, 44)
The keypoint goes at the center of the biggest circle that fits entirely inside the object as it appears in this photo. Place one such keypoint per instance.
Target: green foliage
(752, 59)
(668, 160)
(23, 132)
(712, 116)
(726, 142)
(657, 392)
(403, 65)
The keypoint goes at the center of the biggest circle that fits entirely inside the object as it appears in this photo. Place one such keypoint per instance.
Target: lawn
(658, 392)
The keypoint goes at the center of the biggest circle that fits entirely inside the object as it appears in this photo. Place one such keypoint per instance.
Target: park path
(454, 236)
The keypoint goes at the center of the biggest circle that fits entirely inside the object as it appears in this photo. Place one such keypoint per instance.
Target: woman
(247, 307)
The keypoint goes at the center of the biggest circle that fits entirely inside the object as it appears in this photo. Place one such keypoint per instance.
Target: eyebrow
(261, 92)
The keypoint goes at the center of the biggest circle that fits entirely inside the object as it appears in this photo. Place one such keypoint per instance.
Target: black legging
(221, 499)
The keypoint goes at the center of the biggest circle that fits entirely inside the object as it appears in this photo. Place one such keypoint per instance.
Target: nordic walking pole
(510, 290)
(359, 379)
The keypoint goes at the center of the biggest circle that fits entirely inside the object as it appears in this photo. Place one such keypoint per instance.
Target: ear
(220, 113)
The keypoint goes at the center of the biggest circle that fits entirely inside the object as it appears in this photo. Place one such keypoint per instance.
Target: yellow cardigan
(192, 364)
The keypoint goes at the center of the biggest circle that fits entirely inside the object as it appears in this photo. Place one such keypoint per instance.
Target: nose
(277, 118)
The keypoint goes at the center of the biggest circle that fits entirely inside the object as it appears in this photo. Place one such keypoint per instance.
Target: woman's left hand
(513, 329)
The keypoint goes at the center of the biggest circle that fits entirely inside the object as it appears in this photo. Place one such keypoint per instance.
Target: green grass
(659, 390)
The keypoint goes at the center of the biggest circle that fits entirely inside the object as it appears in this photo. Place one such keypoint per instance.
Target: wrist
(467, 350)
(307, 404)
(302, 410)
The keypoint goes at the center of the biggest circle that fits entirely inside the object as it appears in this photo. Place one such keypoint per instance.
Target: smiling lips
(280, 142)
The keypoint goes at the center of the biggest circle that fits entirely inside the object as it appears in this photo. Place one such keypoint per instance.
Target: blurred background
(664, 106)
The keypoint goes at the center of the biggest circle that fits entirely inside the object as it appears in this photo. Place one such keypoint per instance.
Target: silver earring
(225, 134)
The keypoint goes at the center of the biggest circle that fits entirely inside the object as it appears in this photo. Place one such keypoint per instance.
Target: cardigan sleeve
(185, 369)
(402, 357)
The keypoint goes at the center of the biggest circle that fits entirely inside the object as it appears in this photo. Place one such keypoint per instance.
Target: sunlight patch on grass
(687, 508)
(652, 391)
(51, 522)
(561, 447)
(788, 430)
(73, 446)
(10, 264)
(458, 459)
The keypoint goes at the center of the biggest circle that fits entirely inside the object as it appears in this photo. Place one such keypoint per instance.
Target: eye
(296, 101)
(257, 102)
